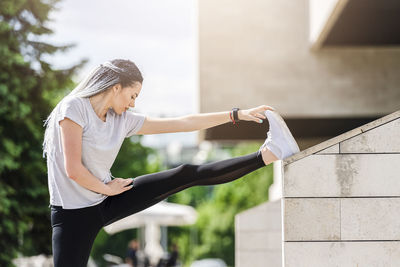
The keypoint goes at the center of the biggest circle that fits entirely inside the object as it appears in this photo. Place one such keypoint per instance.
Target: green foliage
(214, 229)
(193, 196)
(29, 88)
(25, 79)
(134, 159)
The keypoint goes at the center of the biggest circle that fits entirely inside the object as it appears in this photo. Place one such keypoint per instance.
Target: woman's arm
(71, 138)
(199, 121)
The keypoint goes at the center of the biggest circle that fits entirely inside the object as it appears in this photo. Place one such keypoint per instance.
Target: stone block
(260, 240)
(311, 219)
(271, 258)
(383, 139)
(352, 175)
(341, 254)
(258, 236)
(370, 219)
(266, 216)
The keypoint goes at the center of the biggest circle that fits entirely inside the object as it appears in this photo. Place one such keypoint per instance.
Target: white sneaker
(280, 140)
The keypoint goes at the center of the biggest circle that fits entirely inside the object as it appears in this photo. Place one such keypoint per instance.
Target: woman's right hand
(119, 185)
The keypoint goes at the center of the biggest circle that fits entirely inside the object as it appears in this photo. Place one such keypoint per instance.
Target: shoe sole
(287, 134)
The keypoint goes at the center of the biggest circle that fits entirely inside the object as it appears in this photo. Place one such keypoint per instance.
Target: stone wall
(341, 200)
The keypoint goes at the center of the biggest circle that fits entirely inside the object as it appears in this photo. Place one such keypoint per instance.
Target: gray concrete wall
(258, 52)
(258, 236)
(340, 204)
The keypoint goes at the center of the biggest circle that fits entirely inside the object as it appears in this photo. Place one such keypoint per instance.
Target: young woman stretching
(83, 136)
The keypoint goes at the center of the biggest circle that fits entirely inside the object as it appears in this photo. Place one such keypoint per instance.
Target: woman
(83, 136)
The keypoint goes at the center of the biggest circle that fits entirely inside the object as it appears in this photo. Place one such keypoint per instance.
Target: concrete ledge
(330, 150)
(342, 137)
(383, 139)
(354, 175)
(343, 254)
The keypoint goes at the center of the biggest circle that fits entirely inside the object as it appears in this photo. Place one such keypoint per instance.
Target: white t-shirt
(101, 142)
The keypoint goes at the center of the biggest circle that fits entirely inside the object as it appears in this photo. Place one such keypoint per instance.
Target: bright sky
(160, 36)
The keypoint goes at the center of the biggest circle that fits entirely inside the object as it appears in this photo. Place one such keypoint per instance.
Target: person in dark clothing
(173, 258)
(131, 257)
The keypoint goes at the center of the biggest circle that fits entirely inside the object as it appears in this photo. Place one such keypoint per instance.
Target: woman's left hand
(254, 114)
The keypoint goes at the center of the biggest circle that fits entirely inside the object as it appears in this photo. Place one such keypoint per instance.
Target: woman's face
(125, 97)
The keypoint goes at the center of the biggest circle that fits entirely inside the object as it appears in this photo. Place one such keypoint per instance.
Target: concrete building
(328, 67)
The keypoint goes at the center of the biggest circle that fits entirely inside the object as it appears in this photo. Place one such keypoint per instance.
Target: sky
(160, 36)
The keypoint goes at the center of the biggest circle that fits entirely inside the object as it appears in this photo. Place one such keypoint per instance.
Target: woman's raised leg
(151, 188)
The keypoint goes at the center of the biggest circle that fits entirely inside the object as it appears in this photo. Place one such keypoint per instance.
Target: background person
(131, 257)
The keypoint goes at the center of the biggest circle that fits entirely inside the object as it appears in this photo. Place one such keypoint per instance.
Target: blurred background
(327, 66)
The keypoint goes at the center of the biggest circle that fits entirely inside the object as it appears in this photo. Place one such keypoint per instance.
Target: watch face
(235, 114)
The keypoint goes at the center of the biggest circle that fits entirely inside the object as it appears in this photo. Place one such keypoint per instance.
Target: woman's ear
(117, 88)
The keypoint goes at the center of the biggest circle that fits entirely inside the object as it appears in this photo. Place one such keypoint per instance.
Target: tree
(27, 86)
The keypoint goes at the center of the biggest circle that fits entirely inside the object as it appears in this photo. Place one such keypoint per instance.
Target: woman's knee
(188, 168)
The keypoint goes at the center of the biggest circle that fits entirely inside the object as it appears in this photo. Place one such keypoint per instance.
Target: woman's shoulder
(74, 108)
(73, 102)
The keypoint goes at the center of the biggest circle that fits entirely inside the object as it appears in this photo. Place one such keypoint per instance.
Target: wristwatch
(235, 114)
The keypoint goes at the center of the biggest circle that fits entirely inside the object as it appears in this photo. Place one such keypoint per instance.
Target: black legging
(74, 230)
